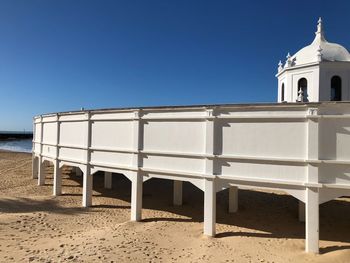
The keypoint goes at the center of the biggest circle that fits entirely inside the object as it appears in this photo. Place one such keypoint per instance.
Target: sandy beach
(37, 227)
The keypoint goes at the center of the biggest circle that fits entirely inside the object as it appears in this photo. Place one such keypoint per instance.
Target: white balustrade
(302, 149)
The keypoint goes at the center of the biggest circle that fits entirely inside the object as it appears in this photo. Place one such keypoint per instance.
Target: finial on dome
(319, 25)
(280, 66)
(320, 32)
(288, 61)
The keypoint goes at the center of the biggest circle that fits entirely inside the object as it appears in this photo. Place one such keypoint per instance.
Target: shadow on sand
(272, 215)
(27, 205)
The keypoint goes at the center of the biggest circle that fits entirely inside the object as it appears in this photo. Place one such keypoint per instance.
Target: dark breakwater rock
(12, 135)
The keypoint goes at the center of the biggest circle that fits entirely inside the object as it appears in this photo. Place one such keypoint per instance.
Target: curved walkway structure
(302, 149)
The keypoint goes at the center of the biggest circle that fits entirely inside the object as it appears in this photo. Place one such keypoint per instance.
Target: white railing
(303, 149)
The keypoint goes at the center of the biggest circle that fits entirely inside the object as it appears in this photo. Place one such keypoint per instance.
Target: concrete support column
(57, 176)
(301, 207)
(87, 187)
(137, 177)
(177, 192)
(35, 167)
(40, 168)
(41, 173)
(87, 176)
(209, 207)
(311, 192)
(233, 199)
(108, 180)
(312, 220)
(57, 179)
(136, 197)
(209, 168)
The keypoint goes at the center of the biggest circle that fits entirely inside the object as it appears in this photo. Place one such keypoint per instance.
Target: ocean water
(24, 145)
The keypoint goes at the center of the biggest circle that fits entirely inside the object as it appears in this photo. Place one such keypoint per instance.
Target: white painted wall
(260, 142)
(327, 71)
(290, 78)
(319, 80)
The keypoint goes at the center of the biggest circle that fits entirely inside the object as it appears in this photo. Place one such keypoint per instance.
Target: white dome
(320, 49)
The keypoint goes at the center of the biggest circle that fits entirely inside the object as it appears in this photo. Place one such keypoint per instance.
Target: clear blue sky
(63, 55)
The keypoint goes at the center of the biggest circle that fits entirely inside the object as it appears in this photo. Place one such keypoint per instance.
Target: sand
(37, 227)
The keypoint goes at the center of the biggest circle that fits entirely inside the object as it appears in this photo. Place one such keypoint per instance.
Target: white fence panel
(264, 138)
(335, 139)
(263, 170)
(50, 132)
(335, 174)
(72, 154)
(112, 158)
(37, 132)
(73, 133)
(175, 136)
(112, 134)
(49, 151)
(178, 164)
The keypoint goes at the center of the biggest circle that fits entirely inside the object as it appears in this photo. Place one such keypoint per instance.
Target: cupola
(317, 72)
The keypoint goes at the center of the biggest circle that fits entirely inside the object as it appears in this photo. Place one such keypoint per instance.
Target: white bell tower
(317, 72)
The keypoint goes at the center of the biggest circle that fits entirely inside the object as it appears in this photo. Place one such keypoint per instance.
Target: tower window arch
(282, 92)
(302, 90)
(336, 88)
